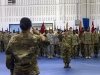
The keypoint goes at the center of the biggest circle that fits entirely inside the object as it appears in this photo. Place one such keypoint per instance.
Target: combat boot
(96, 56)
(68, 66)
(89, 57)
(49, 57)
(65, 66)
(86, 57)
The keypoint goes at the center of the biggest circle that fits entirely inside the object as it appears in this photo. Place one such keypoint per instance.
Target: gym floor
(79, 66)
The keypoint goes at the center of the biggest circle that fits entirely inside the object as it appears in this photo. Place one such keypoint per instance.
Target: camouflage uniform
(75, 42)
(21, 54)
(6, 37)
(82, 45)
(57, 45)
(99, 40)
(95, 39)
(50, 50)
(2, 41)
(87, 39)
(70, 33)
(66, 50)
(45, 48)
(38, 48)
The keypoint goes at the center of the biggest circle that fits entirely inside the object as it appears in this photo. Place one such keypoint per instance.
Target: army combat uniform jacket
(21, 54)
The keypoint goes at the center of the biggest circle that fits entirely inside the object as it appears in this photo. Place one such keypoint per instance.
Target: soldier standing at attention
(81, 43)
(22, 49)
(75, 42)
(57, 43)
(87, 39)
(46, 48)
(66, 49)
(95, 39)
(70, 32)
(0, 41)
(50, 51)
(99, 40)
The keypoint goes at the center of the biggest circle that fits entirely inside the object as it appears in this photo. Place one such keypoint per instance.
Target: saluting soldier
(66, 49)
(22, 50)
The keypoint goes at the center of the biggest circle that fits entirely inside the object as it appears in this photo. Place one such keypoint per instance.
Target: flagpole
(96, 12)
(77, 9)
(64, 12)
(86, 8)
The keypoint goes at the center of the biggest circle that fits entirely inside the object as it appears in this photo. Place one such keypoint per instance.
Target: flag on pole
(92, 29)
(42, 28)
(67, 26)
(80, 28)
(54, 25)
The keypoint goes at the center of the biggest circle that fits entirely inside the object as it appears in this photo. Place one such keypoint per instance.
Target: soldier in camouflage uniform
(0, 40)
(22, 49)
(50, 51)
(38, 48)
(57, 43)
(87, 39)
(81, 45)
(45, 48)
(66, 49)
(99, 40)
(6, 39)
(75, 42)
(70, 32)
(95, 39)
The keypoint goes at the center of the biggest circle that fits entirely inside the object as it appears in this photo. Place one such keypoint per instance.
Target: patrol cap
(25, 23)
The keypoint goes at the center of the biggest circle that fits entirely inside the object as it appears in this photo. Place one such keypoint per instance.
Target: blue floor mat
(80, 66)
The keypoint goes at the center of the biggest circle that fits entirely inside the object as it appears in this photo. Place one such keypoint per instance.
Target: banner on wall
(86, 23)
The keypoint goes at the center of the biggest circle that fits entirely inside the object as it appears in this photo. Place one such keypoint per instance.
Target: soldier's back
(23, 47)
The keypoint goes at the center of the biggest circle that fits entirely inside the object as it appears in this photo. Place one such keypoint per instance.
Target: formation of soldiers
(70, 44)
(65, 44)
